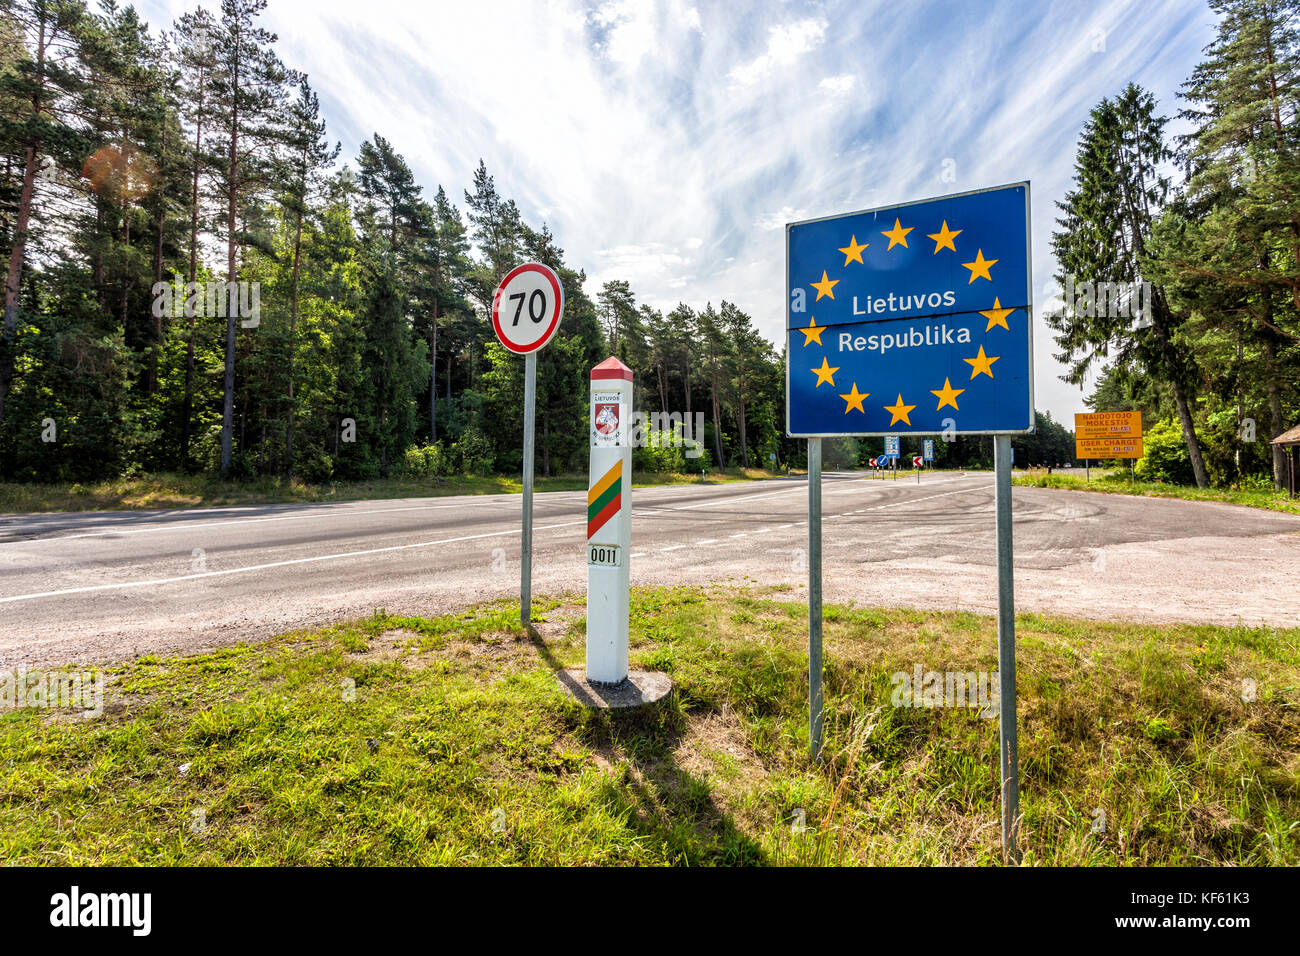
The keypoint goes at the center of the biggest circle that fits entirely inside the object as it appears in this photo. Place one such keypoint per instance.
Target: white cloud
(778, 219)
(838, 85)
(785, 44)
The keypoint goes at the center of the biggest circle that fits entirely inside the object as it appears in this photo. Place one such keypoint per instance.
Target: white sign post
(609, 522)
(526, 313)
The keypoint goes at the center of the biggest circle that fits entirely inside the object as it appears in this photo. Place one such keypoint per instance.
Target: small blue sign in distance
(914, 318)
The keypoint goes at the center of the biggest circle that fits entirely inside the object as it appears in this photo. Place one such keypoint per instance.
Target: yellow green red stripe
(604, 499)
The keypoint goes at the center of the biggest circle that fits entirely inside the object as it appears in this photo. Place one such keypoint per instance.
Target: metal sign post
(526, 542)
(815, 597)
(915, 319)
(526, 312)
(609, 523)
(1007, 739)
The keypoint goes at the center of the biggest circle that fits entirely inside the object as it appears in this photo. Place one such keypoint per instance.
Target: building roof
(1291, 437)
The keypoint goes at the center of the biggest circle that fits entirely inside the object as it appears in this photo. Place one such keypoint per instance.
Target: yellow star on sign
(854, 399)
(982, 363)
(897, 234)
(899, 411)
(825, 373)
(824, 287)
(813, 333)
(980, 267)
(997, 315)
(947, 395)
(853, 251)
(943, 238)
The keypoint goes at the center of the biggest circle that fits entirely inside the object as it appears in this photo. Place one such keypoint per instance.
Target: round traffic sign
(527, 307)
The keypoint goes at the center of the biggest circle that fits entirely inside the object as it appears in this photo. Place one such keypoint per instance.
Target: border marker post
(609, 523)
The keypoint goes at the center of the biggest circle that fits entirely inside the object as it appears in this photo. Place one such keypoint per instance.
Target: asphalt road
(111, 585)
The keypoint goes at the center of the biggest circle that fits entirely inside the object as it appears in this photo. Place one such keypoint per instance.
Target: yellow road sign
(1118, 447)
(1108, 425)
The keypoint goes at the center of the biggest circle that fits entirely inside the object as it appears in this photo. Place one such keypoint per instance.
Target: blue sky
(668, 143)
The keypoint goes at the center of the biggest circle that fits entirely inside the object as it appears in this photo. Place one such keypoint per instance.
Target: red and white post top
(611, 368)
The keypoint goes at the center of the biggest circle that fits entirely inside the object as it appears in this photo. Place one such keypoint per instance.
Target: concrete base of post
(639, 689)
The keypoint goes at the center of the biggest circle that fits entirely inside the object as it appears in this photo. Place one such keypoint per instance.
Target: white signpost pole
(609, 523)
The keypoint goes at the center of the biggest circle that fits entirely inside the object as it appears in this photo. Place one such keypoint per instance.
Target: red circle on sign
(557, 294)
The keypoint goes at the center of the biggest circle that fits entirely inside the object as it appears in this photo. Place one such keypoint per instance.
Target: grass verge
(194, 491)
(1119, 484)
(448, 740)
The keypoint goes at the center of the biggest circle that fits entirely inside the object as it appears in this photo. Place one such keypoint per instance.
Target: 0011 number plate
(602, 555)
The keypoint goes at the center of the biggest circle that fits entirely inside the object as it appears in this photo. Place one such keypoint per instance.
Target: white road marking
(179, 525)
(275, 564)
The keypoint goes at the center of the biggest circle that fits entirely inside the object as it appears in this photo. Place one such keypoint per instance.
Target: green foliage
(1165, 457)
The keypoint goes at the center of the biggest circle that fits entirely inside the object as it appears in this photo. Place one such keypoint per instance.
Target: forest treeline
(1211, 220)
(198, 281)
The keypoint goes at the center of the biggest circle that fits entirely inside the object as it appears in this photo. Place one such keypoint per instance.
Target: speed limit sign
(527, 307)
(526, 313)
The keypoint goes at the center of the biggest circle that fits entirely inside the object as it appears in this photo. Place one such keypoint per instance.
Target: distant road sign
(1108, 435)
(929, 449)
(891, 446)
(527, 307)
(918, 461)
(914, 317)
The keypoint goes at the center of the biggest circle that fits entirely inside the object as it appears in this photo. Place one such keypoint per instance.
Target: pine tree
(44, 81)
(716, 353)
(1236, 253)
(1103, 232)
(196, 62)
(248, 91)
(308, 155)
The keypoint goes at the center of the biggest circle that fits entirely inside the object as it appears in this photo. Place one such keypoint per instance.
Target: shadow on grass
(649, 789)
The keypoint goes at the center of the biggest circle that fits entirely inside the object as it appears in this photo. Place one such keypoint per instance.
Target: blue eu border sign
(912, 319)
(915, 319)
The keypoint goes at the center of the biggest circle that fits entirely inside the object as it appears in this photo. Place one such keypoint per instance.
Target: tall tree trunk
(1277, 425)
(717, 423)
(1189, 436)
(188, 404)
(151, 383)
(232, 192)
(9, 340)
(293, 338)
(17, 253)
(126, 282)
(744, 442)
(686, 382)
(433, 374)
